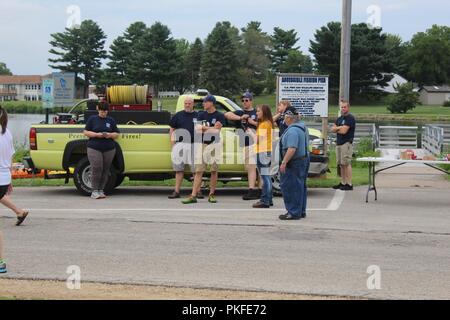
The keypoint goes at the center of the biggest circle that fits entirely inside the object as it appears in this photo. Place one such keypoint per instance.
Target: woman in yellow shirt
(264, 153)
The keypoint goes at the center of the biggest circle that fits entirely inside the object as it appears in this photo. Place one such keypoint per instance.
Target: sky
(25, 25)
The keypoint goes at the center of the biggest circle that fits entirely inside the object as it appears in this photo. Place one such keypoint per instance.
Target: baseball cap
(209, 97)
(291, 111)
(247, 95)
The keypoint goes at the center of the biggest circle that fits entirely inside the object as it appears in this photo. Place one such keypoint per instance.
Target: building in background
(21, 88)
(434, 95)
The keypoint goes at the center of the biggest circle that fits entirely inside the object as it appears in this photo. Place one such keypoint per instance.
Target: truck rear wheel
(82, 178)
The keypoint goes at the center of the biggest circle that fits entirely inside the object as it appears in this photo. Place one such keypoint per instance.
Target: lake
(19, 125)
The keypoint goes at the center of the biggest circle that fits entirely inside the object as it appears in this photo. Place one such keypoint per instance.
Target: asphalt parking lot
(138, 236)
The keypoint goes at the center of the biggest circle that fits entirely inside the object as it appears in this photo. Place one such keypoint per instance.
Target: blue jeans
(293, 186)
(263, 164)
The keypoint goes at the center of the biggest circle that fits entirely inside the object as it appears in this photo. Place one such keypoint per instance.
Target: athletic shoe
(102, 194)
(347, 187)
(2, 267)
(288, 216)
(200, 195)
(212, 199)
(261, 205)
(95, 195)
(174, 195)
(251, 195)
(22, 218)
(189, 200)
(338, 186)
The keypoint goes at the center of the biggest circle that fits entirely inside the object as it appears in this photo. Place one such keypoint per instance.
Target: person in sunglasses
(247, 119)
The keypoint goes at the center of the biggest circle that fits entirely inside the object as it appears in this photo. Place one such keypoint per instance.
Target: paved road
(138, 236)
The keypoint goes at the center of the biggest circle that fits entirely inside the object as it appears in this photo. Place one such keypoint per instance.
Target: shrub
(365, 148)
(447, 103)
(404, 100)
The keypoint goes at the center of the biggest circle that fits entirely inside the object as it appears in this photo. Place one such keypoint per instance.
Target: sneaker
(2, 267)
(288, 216)
(21, 218)
(200, 195)
(212, 198)
(102, 194)
(251, 195)
(189, 200)
(95, 195)
(347, 187)
(174, 195)
(338, 186)
(261, 205)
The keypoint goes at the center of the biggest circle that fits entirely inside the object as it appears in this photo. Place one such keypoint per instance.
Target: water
(19, 125)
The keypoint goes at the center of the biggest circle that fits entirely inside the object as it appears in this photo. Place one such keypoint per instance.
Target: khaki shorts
(344, 154)
(183, 156)
(208, 156)
(249, 158)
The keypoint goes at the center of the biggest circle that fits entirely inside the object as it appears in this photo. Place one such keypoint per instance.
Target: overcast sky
(25, 25)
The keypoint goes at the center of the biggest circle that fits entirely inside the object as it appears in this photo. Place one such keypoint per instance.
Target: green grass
(360, 177)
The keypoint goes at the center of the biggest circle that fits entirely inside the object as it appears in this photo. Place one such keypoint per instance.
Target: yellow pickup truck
(144, 151)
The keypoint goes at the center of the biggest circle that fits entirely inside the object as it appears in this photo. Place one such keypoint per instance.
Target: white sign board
(47, 94)
(307, 93)
(64, 89)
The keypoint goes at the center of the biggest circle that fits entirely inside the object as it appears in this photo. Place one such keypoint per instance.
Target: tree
(282, 42)
(255, 59)
(181, 79)
(404, 100)
(297, 62)
(155, 57)
(4, 69)
(395, 54)
(428, 56)
(219, 71)
(369, 66)
(80, 50)
(194, 63)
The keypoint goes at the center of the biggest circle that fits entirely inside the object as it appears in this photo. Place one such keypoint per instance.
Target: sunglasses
(246, 100)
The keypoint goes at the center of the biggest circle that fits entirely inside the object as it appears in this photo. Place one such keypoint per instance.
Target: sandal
(22, 218)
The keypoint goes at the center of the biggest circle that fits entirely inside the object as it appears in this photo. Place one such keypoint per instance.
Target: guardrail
(398, 137)
(446, 139)
(433, 139)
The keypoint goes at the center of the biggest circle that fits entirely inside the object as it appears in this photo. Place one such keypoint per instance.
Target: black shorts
(3, 191)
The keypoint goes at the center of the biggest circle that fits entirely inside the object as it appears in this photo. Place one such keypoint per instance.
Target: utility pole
(346, 33)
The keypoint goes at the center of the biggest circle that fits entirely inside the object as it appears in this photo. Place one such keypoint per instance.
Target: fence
(398, 137)
(433, 139)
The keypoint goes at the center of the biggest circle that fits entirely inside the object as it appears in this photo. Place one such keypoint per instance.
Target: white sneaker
(102, 194)
(95, 195)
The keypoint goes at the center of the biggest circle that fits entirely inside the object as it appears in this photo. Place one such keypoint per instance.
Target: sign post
(308, 93)
(47, 96)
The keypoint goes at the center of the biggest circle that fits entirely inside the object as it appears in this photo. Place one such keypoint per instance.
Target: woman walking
(101, 149)
(6, 154)
(264, 153)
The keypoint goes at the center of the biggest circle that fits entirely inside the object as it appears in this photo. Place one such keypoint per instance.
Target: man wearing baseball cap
(209, 124)
(247, 120)
(294, 166)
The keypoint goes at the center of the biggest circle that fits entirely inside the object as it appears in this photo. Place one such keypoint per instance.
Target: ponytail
(3, 119)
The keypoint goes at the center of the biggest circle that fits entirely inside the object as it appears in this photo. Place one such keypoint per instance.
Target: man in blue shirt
(345, 132)
(208, 153)
(247, 120)
(182, 141)
(294, 166)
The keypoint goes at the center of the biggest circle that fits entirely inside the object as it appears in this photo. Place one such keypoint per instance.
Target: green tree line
(232, 60)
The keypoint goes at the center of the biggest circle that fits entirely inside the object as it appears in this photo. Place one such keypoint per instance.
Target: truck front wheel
(82, 178)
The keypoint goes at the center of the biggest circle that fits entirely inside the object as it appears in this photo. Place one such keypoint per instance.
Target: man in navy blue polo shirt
(345, 132)
(209, 153)
(182, 141)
